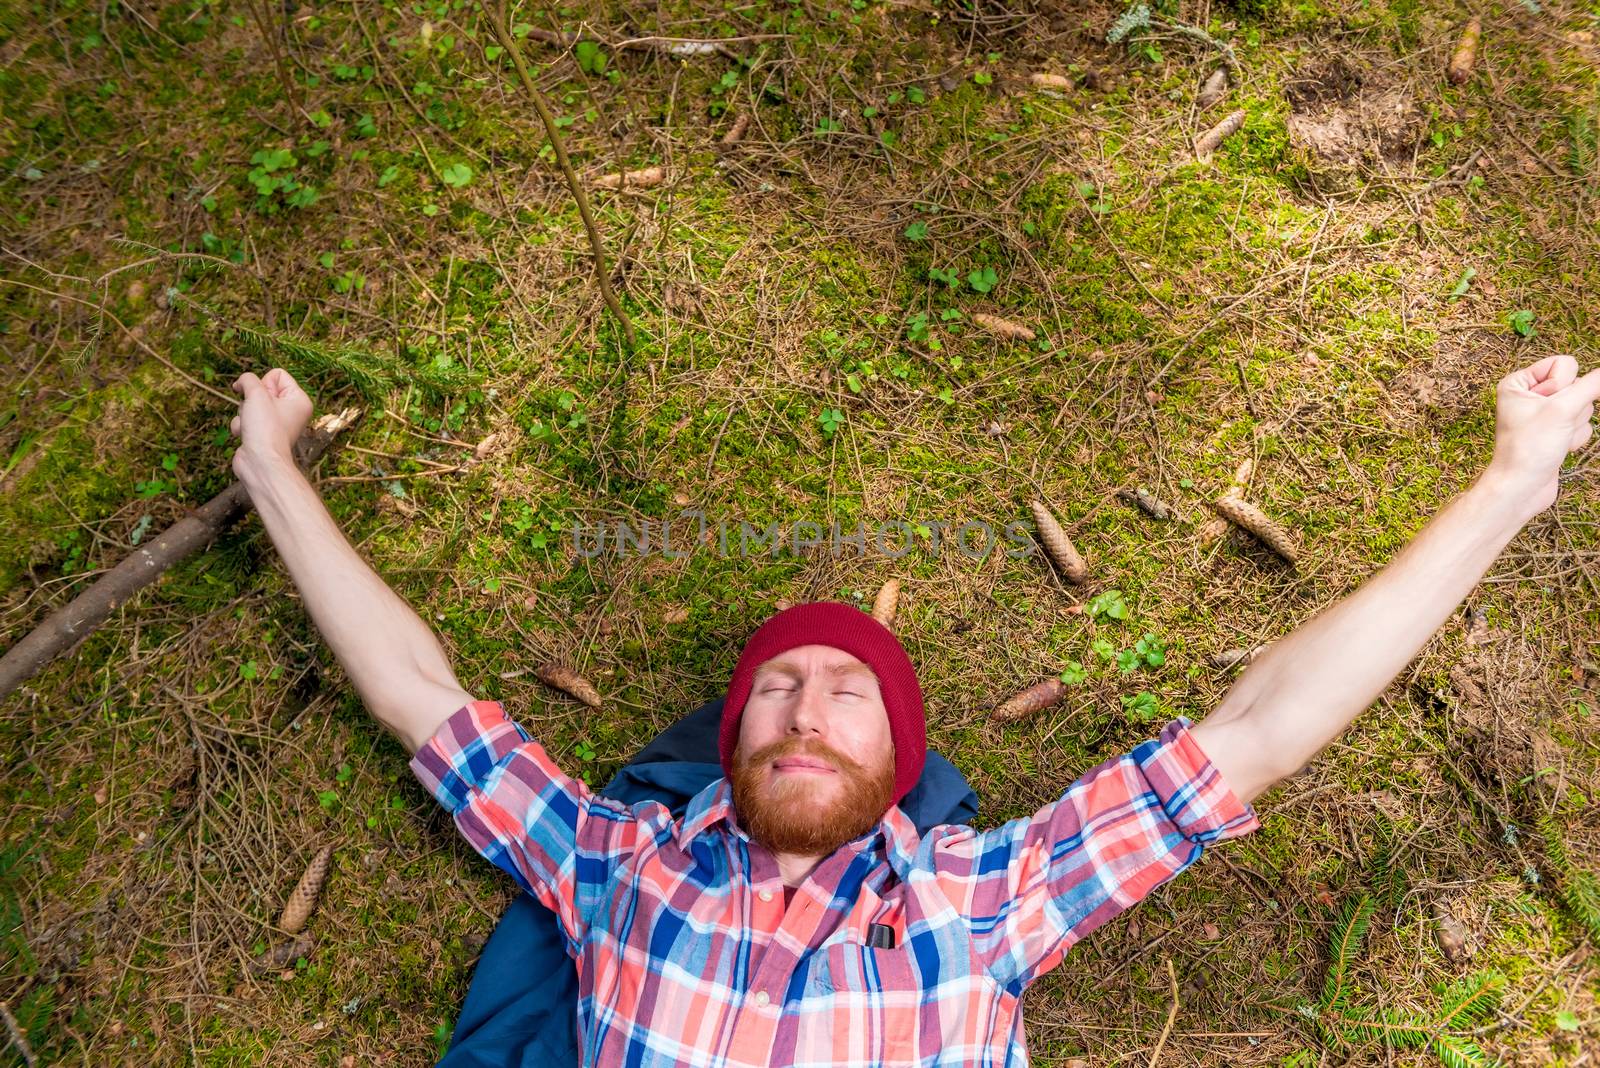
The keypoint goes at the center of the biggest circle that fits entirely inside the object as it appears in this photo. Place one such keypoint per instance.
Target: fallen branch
(69, 625)
(602, 276)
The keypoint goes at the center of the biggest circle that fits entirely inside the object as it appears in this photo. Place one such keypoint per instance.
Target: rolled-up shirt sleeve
(1032, 888)
(548, 831)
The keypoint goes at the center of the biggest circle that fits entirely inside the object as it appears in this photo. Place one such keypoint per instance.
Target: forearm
(1306, 689)
(394, 661)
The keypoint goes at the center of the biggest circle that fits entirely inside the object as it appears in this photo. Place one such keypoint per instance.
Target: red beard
(781, 811)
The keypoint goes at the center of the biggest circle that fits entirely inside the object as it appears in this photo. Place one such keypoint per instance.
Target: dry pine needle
(1248, 517)
(885, 603)
(568, 682)
(1058, 545)
(1039, 696)
(304, 896)
(1003, 327)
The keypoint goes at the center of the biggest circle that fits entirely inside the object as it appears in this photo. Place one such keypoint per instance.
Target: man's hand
(396, 663)
(1303, 692)
(274, 412)
(1542, 412)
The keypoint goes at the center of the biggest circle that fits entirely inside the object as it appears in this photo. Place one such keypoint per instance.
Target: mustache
(793, 747)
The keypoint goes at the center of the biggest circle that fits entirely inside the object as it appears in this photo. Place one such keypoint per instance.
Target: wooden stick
(602, 276)
(69, 625)
(18, 1039)
(1172, 1016)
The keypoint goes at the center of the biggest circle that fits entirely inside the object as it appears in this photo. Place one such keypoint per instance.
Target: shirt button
(762, 999)
(765, 895)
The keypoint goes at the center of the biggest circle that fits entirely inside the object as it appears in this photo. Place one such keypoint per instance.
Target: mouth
(802, 765)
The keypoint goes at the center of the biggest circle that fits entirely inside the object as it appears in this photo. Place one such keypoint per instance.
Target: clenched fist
(274, 412)
(1542, 412)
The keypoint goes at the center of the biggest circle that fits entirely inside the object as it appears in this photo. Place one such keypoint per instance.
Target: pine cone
(1212, 139)
(1058, 545)
(304, 896)
(568, 682)
(1003, 327)
(1038, 696)
(886, 602)
(1248, 517)
(284, 954)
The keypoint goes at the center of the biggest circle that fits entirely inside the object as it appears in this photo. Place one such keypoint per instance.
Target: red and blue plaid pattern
(686, 954)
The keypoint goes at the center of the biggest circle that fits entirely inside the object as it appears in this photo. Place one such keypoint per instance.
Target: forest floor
(372, 203)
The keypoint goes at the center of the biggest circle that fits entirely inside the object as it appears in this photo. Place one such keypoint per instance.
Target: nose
(809, 716)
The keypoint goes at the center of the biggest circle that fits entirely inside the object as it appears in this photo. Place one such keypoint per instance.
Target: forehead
(824, 658)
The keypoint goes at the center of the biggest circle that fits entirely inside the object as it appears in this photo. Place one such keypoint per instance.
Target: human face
(814, 767)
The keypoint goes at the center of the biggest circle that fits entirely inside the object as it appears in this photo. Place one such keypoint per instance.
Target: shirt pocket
(883, 991)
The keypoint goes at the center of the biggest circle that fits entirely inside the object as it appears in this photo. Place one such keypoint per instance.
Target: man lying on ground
(794, 915)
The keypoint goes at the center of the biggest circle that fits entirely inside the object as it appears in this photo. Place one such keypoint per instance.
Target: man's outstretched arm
(1305, 690)
(395, 662)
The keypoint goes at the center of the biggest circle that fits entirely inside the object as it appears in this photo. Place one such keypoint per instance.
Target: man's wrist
(256, 468)
(1509, 494)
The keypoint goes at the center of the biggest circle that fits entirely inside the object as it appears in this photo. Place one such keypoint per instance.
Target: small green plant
(1578, 889)
(917, 327)
(831, 419)
(591, 58)
(917, 231)
(1463, 283)
(1108, 605)
(1141, 707)
(272, 177)
(456, 175)
(1521, 321)
(1074, 673)
(584, 751)
(948, 276)
(983, 279)
(1464, 1004)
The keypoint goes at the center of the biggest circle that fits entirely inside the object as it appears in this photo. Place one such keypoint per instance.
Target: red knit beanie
(846, 627)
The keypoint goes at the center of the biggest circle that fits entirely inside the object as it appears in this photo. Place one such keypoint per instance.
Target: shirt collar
(711, 811)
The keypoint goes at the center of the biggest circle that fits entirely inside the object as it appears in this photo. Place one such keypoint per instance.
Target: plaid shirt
(686, 954)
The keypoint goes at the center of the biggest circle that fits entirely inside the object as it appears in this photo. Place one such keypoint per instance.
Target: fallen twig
(1172, 1016)
(602, 276)
(18, 1039)
(70, 624)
